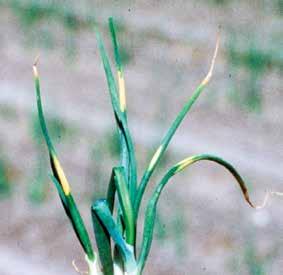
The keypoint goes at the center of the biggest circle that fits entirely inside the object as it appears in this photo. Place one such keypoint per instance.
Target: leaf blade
(172, 130)
(103, 244)
(119, 116)
(126, 204)
(150, 214)
(60, 179)
(101, 209)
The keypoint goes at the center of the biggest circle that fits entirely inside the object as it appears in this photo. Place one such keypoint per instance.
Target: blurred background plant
(5, 184)
(248, 68)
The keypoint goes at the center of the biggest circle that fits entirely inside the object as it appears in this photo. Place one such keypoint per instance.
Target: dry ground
(204, 225)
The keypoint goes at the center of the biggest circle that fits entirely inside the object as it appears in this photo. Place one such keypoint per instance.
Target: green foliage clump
(115, 216)
(5, 184)
(250, 63)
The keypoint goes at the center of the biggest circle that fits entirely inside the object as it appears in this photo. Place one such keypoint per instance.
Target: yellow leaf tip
(34, 67)
(209, 74)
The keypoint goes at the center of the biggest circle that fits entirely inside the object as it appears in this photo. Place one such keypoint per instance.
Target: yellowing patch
(183, 164)
(122, 91)
(155, 157)
(62, 177)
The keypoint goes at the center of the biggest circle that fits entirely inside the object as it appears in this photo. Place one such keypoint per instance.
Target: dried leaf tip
(247, 197)
(77, 269)
(34, 67)
(209, 74)
(267, 197)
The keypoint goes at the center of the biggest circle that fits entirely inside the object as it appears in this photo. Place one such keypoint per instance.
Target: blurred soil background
(203, 224)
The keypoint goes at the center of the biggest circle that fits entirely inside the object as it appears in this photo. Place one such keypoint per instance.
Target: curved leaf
(152, 205)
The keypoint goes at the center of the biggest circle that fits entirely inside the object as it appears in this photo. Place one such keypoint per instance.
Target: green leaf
(111, 192)
(75, 219)
(124, 157)
(115, 44)
(40, 112)
(59, 189)
(125, 203)
(120, 118)
(109, 76)
(103, 244)
(170, 133)
(111, 200)
(79, 227)
(61, 181)
(101, 210)
(152, 205)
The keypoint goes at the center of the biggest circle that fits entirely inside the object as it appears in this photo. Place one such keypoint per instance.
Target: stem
(93, 267)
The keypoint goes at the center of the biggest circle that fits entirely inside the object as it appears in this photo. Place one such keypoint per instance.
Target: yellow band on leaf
(62, 178)
(122, 91)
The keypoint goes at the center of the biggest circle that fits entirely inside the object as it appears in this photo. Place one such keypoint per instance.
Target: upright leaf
(126, 204)
(170, 133)
(120, 118)
(124, 156)
(103, 244)
(61, 181)
(102, 212)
